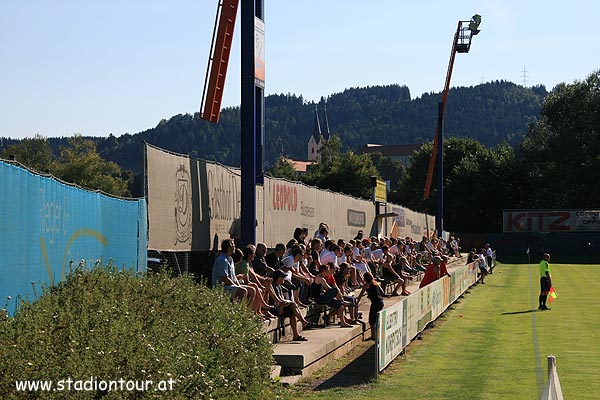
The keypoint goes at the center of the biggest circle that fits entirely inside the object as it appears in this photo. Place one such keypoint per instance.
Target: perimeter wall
(46, 226)
(192, 204)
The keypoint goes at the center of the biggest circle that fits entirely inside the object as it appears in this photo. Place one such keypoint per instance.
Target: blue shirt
(223, 266)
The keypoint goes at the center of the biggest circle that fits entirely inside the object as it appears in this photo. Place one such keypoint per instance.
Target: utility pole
(252, 113)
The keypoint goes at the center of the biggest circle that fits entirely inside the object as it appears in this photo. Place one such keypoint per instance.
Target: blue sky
(100, 67)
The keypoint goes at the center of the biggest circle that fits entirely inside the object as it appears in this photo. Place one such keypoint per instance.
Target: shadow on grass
(361, 371)
(519, 312)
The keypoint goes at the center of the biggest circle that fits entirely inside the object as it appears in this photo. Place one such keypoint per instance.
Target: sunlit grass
(493, 344)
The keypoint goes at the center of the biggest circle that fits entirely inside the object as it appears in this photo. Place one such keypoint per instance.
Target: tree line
(556, 165)
(491, 113)
(507, 147)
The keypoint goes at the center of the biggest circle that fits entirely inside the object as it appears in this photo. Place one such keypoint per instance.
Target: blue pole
(260, 113)
(439, 215)
(248, 124)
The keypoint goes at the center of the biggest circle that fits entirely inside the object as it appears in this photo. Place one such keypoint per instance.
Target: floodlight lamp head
(474, 24)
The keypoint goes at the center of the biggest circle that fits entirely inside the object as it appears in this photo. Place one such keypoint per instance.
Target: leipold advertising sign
(551, 221)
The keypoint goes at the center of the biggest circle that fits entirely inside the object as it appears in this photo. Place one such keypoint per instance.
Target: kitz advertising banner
(551, 221)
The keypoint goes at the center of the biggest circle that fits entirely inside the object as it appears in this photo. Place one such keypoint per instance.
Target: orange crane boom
(210, 107)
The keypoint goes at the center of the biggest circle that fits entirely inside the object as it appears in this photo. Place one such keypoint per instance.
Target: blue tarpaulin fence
(46, 225)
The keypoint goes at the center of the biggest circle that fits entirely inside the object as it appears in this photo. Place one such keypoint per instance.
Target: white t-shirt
(288, 261)
(377, 254)
(482, 260)
(327, 257)
(322, 238)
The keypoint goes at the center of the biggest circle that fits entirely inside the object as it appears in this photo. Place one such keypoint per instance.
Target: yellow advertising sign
(381, 191)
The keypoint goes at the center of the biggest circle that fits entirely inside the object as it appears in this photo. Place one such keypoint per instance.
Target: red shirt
(330, 279)
(431, 275)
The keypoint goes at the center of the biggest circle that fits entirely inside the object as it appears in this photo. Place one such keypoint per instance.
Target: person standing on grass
(489, 252)
(545, 281)
(375, 294)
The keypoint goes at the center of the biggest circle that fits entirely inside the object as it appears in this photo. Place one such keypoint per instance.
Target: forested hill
(492, 113)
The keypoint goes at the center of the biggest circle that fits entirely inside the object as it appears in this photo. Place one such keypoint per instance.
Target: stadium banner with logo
(224, 186)
(192, 204)
(171, 192)
(551, 221)
(288, 205)
(401, 322)
(48, 227)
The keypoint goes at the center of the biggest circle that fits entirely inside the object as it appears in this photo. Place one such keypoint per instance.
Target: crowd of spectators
(323, 271)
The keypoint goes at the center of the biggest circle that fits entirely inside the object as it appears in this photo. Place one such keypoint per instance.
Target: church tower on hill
(319, 136)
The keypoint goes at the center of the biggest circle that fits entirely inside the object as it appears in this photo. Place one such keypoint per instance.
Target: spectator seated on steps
(342, 277)
(390, 275)
(255, 295)
(285, 308)
(273, 259)
(296, 276)
(259, 264)
(323, 293)
(404, 266)
(419, 259)
(223, 273)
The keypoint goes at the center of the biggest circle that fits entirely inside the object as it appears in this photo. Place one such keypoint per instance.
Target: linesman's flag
(552, 294)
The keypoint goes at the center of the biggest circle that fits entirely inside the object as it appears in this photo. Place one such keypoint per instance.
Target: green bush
(104, 325)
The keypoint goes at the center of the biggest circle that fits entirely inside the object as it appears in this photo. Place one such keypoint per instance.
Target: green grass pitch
(494, 344)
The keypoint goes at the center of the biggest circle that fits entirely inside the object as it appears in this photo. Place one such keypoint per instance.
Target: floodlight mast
(461, 44)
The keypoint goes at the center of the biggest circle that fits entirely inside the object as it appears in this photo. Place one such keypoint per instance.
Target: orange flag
(553, 295)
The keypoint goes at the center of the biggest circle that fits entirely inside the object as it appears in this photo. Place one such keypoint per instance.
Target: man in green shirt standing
(545, 281)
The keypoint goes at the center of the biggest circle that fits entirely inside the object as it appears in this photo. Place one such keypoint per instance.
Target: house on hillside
(301, 167)
(400, 152)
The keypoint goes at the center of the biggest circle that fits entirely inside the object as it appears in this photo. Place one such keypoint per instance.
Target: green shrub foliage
(107, 325)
